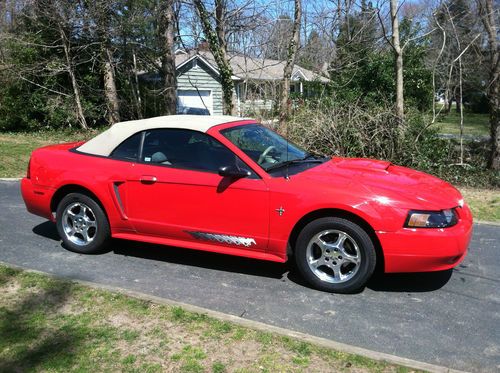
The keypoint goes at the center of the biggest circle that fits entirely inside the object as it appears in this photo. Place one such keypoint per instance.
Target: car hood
(389, 184)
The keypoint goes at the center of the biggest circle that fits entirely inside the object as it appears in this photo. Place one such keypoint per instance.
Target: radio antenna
(287, 176)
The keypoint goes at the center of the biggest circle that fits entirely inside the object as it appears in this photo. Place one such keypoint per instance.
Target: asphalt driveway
(449, 318)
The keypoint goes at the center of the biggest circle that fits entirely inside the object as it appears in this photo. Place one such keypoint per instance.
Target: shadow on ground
(26, 344)
(202, 259)
(399, 282)
(410, 282)
(47, 230)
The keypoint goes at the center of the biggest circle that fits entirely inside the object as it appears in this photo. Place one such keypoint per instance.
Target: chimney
(203, 46)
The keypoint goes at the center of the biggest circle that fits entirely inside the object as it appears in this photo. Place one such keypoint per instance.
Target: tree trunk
(101, 11)
(488, 18)
(458, 100)
(290, 62)
(110, 91)
(166, 29)
(217, 43)
(494, 94)
(71, 73)
(460, 109)
(220, 24)
(398, 61)
(136, 90)
(450, 104)
(447, 101)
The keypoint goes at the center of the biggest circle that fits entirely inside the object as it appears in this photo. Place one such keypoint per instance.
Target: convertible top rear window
(129, 149)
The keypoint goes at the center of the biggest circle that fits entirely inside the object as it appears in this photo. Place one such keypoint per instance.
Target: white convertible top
(104, 143)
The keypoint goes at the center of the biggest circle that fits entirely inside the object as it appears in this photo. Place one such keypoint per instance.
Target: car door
(175, 191)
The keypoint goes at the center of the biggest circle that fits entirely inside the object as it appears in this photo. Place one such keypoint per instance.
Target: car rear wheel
(82, 224)
(335, 255)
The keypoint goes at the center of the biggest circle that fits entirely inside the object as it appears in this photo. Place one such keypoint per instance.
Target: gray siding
(201, 77)
(250, 107)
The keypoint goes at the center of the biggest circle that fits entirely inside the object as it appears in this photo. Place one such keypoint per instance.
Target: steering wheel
(264, 154)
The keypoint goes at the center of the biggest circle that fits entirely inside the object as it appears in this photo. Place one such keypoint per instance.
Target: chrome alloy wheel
(333, 256)
(79, 223)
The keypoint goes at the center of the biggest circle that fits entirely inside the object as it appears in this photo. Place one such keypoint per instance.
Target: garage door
(195, 98)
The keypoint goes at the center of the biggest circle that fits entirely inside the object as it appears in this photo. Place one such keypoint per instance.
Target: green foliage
(417, 76)
(373, 81)
(35, 88)
(35, 92)
(363, 72)
(476, 102)
(218, 367)
(191, 358)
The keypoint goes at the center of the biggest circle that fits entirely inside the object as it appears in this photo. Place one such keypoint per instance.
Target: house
(256, 82)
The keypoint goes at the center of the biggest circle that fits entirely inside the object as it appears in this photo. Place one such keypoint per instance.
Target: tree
(357, 56)
(216, 38)
(489, 18)
(418, 90)
(455, 32)
(358, 37)
(314, 54)
(398, 60)
(101, 11)
(279, 38)
(290, 62)
(166, 26)
(61, 17)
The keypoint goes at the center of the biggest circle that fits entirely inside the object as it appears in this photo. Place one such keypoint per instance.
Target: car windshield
(265, 146)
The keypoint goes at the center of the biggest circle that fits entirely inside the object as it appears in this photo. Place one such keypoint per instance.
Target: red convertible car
(233, 186)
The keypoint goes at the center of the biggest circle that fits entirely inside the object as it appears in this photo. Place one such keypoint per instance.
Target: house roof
(104, 143)
(211, 65)
(252, 68)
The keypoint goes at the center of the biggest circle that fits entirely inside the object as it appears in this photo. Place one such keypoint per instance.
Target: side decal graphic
(223, 238)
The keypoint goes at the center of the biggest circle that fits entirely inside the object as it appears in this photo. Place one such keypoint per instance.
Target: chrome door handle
(148, 179)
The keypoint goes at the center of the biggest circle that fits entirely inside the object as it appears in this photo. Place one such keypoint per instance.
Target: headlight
(431, 219)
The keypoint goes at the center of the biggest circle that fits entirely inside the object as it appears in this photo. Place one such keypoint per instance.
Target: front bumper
(427, 249)
(37, 198)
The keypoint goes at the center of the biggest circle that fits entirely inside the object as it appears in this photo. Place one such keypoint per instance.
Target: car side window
(186, 149)
(128, 149)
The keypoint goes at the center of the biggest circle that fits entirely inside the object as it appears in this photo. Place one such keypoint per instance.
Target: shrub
(351, 130)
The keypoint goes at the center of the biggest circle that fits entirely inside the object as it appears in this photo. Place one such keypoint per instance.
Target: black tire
(357, 268)
(93, 221)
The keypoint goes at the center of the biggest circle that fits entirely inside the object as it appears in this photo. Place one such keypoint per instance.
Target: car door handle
(148, 179)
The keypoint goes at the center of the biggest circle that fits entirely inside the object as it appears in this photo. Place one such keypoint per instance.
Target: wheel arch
(339, 213)
(74, 188)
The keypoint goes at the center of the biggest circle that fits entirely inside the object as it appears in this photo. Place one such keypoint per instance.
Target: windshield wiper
(309, 158)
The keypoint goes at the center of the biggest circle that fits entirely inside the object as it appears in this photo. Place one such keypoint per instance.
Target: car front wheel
(82, 224)
(335, 255)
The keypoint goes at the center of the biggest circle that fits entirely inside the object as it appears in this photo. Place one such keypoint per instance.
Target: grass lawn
(59, 326)
(16, 148)
(474, 124)
(484, 203)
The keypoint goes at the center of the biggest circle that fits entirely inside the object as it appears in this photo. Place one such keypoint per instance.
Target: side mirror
(234, 172)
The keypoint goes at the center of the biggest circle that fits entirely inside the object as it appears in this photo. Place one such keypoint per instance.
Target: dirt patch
(122, 320)
(11, 287)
